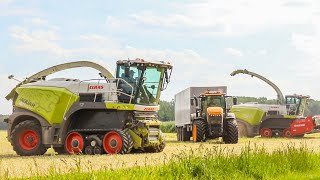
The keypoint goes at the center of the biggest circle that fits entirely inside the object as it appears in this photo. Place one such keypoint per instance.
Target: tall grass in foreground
(217, 163)
(168, 127)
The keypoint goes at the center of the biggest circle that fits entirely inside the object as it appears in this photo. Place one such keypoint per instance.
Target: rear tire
(198, 131)
(231, 132)
(26, 139)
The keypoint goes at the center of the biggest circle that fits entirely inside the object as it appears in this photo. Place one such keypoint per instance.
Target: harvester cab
(296, 104)
(143, 81)
(109, 115)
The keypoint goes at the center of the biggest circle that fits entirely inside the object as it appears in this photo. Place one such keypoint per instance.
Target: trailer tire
(198, 131)
(26, 139)
(231, 132)
(185, 134)
(179, 134)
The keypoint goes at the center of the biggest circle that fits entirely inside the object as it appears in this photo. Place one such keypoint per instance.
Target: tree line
(166, 112)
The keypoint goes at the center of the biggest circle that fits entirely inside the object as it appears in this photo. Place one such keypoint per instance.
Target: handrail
(110, 80)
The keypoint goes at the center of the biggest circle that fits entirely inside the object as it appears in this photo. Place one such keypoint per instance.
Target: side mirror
(192, 102)
(235, 101)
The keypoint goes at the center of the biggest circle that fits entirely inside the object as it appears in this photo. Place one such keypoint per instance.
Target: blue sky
(205, 40)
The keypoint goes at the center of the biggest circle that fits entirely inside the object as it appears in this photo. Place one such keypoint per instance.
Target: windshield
(293, 105)
(145, 81)
(212, 101)
(302, 107)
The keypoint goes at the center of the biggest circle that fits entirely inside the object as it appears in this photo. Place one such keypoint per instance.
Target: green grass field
(253, 158)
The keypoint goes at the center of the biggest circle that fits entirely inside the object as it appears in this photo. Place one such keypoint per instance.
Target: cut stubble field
(14, 166)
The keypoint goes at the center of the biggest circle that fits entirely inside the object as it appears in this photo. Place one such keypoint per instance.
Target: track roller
(117, 142)
(74, 143)
(287, 133)
(266, 133)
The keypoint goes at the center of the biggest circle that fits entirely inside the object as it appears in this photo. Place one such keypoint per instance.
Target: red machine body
(302, 126)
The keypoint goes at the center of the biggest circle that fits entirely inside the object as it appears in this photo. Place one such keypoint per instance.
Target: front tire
(198, 131)
(231, 132)
(26, 139)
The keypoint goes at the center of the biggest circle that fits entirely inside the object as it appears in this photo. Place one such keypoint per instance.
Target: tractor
(204, 116)
(112, 115)
(284, 119)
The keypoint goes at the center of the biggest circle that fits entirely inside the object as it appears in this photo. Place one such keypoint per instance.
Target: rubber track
(231, 135)
(201, 129)
(126, 137)
(27, 125)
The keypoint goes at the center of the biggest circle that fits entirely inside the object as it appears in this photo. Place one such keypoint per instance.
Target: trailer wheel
(26, 139)
(117, 142)
(179, 134)
(198, 131)
(266, 133)
(183, 134)
(231, 132)
(74, 143)
(287, 133)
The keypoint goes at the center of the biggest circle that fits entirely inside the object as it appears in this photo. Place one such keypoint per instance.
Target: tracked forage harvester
(286, 118)
(111, 115)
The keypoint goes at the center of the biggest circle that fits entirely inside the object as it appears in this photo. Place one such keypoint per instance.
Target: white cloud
(262, 52)
(225, 18)
(36, 40)
(234, 52)
(116, 23)
(39, 21)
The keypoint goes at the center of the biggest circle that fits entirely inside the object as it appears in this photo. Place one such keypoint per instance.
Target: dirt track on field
(12, 165)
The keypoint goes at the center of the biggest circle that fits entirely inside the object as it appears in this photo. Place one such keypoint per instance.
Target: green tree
(166, 112)
(313, 108)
